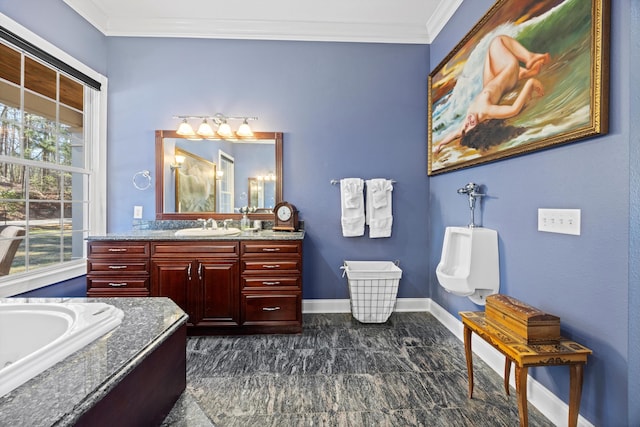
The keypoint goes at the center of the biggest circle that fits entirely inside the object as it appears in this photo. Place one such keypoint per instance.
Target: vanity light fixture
(185, 129)
(224, 130)
(267, 177)
(179, 160)
(205, 130)
(244, 130)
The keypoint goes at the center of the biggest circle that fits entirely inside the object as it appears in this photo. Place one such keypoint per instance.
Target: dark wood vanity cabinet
(118, 268)
(271, 292)
(225, 286)
(201, 278)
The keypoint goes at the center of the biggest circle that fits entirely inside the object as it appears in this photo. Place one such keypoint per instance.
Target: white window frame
(97, 163)
(226, 164)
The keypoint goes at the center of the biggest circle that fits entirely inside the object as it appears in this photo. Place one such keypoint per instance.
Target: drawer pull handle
(117, 250)
(270, 308)
(117, 285)
(271, 266)
(117, 267)
(270, 249)
(270, 283)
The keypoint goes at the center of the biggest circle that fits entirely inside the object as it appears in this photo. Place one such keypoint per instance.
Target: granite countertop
(62, 393)
(170, 235)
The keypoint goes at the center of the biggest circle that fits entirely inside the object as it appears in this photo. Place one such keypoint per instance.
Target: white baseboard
(538, 395)
(344, 305)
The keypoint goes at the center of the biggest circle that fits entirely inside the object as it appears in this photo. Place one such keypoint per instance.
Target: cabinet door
(218, 294)
(171, 278)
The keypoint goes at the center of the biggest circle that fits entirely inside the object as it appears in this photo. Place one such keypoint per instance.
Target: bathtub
(36, 336)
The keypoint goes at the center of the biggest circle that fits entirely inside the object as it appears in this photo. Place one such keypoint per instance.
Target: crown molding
(270, 30)
(267, 29)
(441, 16)
(90, 12)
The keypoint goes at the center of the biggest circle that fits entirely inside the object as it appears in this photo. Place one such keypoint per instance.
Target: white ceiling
(375, 21)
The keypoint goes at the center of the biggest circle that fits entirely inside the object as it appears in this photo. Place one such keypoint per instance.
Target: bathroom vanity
(249, 283)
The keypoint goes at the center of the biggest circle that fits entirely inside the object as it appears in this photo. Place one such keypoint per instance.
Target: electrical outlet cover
(137, 212)
(564, 221)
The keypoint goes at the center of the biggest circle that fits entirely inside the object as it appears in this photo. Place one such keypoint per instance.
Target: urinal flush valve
(473, 191)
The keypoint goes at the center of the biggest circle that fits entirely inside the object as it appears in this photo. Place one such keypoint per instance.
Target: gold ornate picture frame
(530, 75)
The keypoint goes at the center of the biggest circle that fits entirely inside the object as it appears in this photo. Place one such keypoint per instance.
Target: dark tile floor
(409, 371)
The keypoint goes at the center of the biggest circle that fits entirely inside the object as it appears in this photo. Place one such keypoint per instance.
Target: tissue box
(527, 322)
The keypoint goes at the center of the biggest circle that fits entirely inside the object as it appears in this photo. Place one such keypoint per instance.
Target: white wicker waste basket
(373, 287)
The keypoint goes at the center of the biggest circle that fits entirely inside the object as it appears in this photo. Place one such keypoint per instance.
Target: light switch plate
(564, 221)
(137, 212)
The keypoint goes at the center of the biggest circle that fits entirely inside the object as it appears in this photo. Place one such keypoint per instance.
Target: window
(225, 182)
(49, 173)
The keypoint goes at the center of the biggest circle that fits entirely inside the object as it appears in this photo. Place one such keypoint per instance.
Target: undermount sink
(208, 232)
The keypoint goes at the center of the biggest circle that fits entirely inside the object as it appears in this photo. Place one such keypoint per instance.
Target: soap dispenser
(244, 222)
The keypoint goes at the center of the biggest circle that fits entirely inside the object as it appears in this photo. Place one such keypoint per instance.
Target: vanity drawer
(271, 308)
(267, 283)
(270, 247)
(264, 266)
(124, 267)
(195, 248)
(119, 284)
(117, 250)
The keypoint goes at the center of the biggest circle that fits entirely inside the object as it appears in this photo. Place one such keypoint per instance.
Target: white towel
(379, 216)
(352, 204)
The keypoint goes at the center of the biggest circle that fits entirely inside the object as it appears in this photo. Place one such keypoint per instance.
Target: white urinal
(469, 265)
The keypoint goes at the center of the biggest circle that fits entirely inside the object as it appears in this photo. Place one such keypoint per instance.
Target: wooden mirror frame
(160, 214)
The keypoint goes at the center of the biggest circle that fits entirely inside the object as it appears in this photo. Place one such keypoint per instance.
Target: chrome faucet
(203, 222)
(473, 191)
(211, 223)
(226, 222)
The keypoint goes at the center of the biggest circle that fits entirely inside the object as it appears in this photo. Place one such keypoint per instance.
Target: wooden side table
(525, 355)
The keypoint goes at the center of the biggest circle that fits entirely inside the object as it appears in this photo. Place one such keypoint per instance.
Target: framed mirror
(208, 178)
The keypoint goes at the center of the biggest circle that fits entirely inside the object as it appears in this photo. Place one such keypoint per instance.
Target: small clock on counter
(286, 217)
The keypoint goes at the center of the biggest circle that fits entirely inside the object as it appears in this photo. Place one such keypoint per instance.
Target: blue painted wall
(634, 217)
(583, 279)
(76, 287)
(346, 110)
(359, 110)
(63, 27)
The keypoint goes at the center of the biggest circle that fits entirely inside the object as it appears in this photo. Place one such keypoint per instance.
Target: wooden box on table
(531, 324)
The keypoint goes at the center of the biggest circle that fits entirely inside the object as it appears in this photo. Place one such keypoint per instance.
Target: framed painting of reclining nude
(530, 75)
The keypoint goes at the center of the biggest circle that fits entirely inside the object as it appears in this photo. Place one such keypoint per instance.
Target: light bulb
(185, 129)
(244, 129)
(205, 129)
(224, 130)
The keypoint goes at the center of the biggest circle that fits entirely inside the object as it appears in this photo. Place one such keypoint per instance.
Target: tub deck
(106, 373)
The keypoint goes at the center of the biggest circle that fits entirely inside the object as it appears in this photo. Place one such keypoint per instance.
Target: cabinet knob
(117, 267)
(270, 308)
(270, 283)
(117, 285)
(271, 266)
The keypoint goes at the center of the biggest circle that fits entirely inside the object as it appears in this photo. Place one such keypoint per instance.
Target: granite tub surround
(409, 371)
(69, 392)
